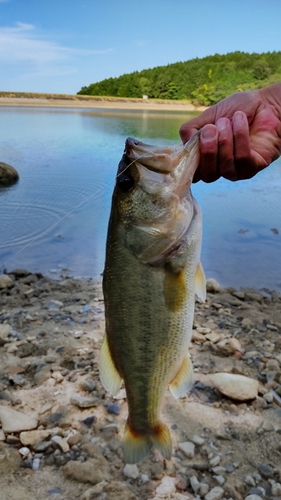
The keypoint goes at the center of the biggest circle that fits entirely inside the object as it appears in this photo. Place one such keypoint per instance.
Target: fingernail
(238, 117)
(221, 124)
(209, 132)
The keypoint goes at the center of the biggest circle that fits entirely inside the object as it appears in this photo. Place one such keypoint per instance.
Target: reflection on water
(57, 214)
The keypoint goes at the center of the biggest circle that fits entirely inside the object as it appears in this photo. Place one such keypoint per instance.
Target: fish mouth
(155, 158)
(178, 163)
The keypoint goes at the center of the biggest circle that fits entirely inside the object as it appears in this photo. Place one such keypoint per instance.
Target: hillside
(201, 81)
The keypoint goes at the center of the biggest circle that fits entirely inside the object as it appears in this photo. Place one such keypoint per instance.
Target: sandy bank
(75, 102)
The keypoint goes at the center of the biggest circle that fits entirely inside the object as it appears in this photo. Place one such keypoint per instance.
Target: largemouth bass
(152, 272)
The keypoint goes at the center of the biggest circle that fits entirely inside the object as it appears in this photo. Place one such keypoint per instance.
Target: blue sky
(61, 45)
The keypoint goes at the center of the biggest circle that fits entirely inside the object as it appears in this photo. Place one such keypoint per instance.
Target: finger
(242, 148)
(188, 129)
(226, 165)
(208, 153)
(186, 132)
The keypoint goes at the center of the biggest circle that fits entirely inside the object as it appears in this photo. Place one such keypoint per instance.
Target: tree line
(202, 81)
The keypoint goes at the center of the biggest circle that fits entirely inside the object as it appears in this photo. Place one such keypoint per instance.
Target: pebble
(220, 480)
(57, 375)
(188, 448)
(257, 476)
(235, 386)
(113, 408)
(268, 425)
(42, 375)
(82, 402)
(32, 438)
(253, 497)
(198, 337)
(74, 439)
(218, 470)
(24, 451)
(53, 304)
(5, 330)
(213, 337)
(15, 421)
(204, 489)
(197, 440)
(35, 464)
(249, 480)
(276, 489)
(88, 385)
(167, 486)
(203, 330)
(194, 483)
(212, 285)
(131, 471)
(229, 468)
(215, 461)
(268, 397)
(61, 443)
(266, 471)
(235, 344)
(215, 493)
(5, 281)
(144, 479)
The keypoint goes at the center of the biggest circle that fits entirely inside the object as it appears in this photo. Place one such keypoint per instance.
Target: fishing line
(50, 227)
(134, 161)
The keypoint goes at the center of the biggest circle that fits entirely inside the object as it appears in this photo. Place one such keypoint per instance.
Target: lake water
(56, 216)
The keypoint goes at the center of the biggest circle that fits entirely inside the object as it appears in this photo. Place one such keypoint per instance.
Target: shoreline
(59, 426)
(91, 102)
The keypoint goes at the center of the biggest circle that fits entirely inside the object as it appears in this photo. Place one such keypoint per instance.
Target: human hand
(240, 135)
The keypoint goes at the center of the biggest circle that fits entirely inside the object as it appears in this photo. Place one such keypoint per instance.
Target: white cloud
(24, 44)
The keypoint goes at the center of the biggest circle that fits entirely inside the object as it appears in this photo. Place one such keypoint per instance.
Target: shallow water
(56, 216)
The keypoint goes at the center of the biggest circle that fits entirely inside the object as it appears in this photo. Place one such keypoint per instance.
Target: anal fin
(183, 381)
(109, 376)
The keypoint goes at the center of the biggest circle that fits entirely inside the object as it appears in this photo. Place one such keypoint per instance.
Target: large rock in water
(8, 175)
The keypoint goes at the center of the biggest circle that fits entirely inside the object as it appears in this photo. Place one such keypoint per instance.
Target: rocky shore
(60, 435)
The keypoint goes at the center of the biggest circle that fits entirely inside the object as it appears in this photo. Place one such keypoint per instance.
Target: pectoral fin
(183, 381)
(200, 283)
(109, 375)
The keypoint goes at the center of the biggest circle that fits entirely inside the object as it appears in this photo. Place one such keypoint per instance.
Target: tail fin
(136, 446)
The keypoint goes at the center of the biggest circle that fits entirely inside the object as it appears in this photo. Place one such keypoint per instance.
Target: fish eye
(125, 183)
